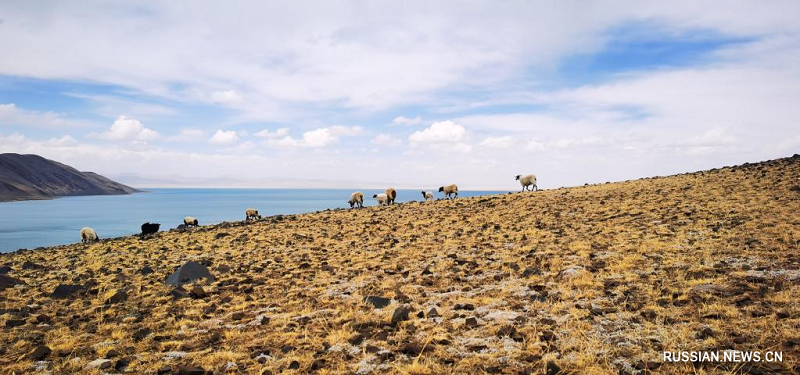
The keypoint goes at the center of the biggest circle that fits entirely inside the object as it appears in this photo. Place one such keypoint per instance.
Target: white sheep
(251, 214)
(526, 181)
(449, 189)
(427, 195)
(89, 235)
(190, 221)
(382, 199)
(356, 199)
(391, 194)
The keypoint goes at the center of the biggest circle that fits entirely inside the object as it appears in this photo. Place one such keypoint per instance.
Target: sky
(369, 94)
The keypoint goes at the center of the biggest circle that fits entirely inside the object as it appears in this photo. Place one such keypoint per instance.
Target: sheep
(89, 235)
(391, 194)
(528, 180)
(449, 189)
(427, 195)
(190, 221)
(356, 199)
(251, 214)
(382, 199)
(149, 228)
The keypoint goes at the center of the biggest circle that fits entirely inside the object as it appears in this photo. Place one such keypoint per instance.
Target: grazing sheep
(427, 195)
(526, 181)
(150, 228)
(190, 221)
(382, 199)
(449, 189)
(89, 235)
(356, 199)
(391, 194)
(251, 214)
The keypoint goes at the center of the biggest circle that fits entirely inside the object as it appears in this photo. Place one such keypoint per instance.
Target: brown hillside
(596, 279)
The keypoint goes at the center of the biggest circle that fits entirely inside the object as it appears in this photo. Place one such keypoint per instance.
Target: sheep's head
(518, 176)
(375, 195)
(441, 188)
(423, 193)
(351, 203)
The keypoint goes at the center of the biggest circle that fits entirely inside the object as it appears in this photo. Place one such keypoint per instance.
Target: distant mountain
(24, 177)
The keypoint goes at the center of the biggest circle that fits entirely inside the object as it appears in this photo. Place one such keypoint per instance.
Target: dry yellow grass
(594, 279)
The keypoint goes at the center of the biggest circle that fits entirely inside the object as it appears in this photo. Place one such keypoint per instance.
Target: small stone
(237, 315)
(552, 368)
(400, 314)
(471, 322)
(432, 313)
(43, 318)
(10, 323)
(378, 302)
(100, 364)
(649, 365)
(40, 353)
(294, 365)
(198, 292)
(548, 336)
(705, 333)
(146, 270)
(116, 296)
(112, 354)
(571, 272)
(191, 370)
(141, 334)
(178, 293)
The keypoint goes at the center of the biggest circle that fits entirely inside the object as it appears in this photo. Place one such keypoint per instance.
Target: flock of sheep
(388, 197)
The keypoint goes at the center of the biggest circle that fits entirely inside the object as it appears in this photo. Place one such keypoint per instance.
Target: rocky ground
(593, 279)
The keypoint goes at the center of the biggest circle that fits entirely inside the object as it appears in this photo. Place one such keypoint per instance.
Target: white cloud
(439, 132)
(317, 138)
(227, 96)
(386, 140)
(11, 115)
(498, 143)
(64, 141)
(223, 137)
(402, 120)
(266, 133)
(192, 133)
(125, 128)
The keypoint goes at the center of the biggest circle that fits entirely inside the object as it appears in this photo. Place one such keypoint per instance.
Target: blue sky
(353, 94)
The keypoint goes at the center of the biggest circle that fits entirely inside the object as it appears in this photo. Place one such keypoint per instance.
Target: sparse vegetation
(594, 279)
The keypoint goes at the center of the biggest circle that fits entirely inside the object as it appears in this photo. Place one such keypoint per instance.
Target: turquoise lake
(32, 224)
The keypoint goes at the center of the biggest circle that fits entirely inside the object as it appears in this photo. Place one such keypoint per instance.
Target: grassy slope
(649, 250)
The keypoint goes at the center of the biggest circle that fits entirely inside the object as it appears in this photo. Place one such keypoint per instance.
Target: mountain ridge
(32, 177)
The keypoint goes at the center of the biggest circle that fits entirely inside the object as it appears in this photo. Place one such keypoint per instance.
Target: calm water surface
(32, 224)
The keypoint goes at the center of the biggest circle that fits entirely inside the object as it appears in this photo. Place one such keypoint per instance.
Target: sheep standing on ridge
(391, 194)
(526, 181)
(356, 199)
(449, 189)
(251, 214)
(89, 235)
(427, 195)
(150, 228)
(190, 221)
(382, 199)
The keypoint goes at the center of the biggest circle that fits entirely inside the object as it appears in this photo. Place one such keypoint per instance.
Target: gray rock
(189, 272)
(100, 363)
(8, 282)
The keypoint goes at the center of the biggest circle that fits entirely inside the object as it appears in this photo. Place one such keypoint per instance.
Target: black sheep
(150, 228)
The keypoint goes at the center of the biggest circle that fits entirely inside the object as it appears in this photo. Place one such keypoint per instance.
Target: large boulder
(189, 272)
(67, 290)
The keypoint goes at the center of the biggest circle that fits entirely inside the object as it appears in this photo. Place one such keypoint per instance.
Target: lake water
(31, 224)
